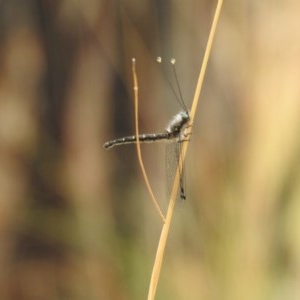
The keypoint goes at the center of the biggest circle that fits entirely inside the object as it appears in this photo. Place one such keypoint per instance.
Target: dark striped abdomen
(143, 138)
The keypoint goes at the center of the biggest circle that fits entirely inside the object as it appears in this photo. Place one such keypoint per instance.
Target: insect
(175, 133)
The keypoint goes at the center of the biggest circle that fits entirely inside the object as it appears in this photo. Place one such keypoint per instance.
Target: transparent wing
(173, 156)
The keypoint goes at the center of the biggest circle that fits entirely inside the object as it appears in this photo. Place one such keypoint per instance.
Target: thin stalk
(138, 146)
(165, 230)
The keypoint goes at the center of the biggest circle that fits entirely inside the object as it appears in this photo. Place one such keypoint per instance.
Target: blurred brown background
(76, 221)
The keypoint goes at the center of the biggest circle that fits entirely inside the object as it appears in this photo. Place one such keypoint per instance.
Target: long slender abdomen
(143, 138)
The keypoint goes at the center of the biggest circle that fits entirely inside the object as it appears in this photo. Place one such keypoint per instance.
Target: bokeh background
(76, 221)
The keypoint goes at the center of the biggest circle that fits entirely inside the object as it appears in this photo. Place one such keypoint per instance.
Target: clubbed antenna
(173, 61)
(178, 98)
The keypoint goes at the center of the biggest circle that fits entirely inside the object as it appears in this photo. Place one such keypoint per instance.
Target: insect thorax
(178, 122)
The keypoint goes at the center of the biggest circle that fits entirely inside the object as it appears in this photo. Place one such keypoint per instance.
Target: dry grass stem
(166, 226)
(138, 146)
